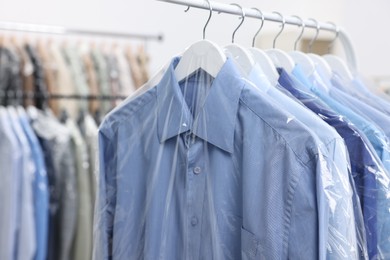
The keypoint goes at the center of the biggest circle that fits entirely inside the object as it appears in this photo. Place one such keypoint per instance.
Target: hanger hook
(208, 20)
(301, 34)
(242, 20)
(337, 31)
(281, 30)
(261, 26)
(318, 28)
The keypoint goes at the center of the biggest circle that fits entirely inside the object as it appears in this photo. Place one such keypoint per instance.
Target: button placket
(197, 170)
(194, 221)
(195, 194)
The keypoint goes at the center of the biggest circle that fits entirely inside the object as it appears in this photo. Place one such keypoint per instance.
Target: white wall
(365, 21)
(368, 25)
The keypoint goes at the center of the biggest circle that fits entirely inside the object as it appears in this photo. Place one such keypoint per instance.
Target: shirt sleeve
(106, 199)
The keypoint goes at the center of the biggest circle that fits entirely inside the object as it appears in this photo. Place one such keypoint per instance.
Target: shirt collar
(216, 119)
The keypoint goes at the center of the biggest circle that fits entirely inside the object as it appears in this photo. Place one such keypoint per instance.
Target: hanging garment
(40, 189)
(40, 87)
(189, 170)
(48, 168)
(364, 161)
(357, 89)
(379, 187)
(364, 110)
(11, 162)
(91, 139)
(50, 70)
(77, 70)
(92, 80)
(127, 83)
(339, 234)
(136, 71)
(55, 141)
(114, 76)
(10, 84)
(103, 79)
(26, 73)
(25, 238)
(82, 244)
(64, 82)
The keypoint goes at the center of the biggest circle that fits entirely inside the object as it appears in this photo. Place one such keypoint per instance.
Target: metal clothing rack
(12, 95)
(232, 9)
(60, 30)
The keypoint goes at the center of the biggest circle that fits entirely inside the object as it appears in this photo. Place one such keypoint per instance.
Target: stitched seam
(287, 213)
(316, 153)
(143, 102)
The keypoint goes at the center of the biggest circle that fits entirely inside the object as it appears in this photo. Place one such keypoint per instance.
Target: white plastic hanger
(322, 64)
(306, 64)
(204, 55)
(338, 65)
(262, 59)
(238, 53)
(279, 57)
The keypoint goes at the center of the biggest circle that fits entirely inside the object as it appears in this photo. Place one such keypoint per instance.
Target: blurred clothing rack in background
(33, 95)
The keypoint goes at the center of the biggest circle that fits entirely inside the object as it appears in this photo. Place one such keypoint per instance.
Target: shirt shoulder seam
(315, 153)
(117, 121)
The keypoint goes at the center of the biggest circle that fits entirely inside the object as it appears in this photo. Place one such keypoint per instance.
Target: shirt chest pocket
(236, 238)
(249, 245)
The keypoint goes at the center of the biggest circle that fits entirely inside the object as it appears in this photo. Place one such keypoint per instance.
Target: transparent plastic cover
(226, 168)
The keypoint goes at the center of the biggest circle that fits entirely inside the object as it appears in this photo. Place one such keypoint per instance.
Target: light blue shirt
(381, 145)
(218, 172)
(341, 235)
(358, 89)
(26, 243)
(40, 189)
(361, 108)
(10, 161)
(374, 134)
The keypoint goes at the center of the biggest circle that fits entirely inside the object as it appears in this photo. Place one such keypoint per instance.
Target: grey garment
(10, 80)
(77, 70)
(91, 138)
(56, 143)
(64, 81)
(126, 80)
(114, 77)
(40, 88)
(82, 246)
(10, 163)
(103, 78)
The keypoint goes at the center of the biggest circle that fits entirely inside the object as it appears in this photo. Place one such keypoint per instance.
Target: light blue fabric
(361, 108)
(374, 134)
(218, 172)
(373, 100)
(341, 241)
(40, 188)
(358, 89)
(10, 161)
(363, 164)
(25, 242)
(380, 143)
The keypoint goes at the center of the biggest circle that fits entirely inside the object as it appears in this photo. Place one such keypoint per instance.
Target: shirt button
(197, 170)
(184, 125)
(194, 221)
